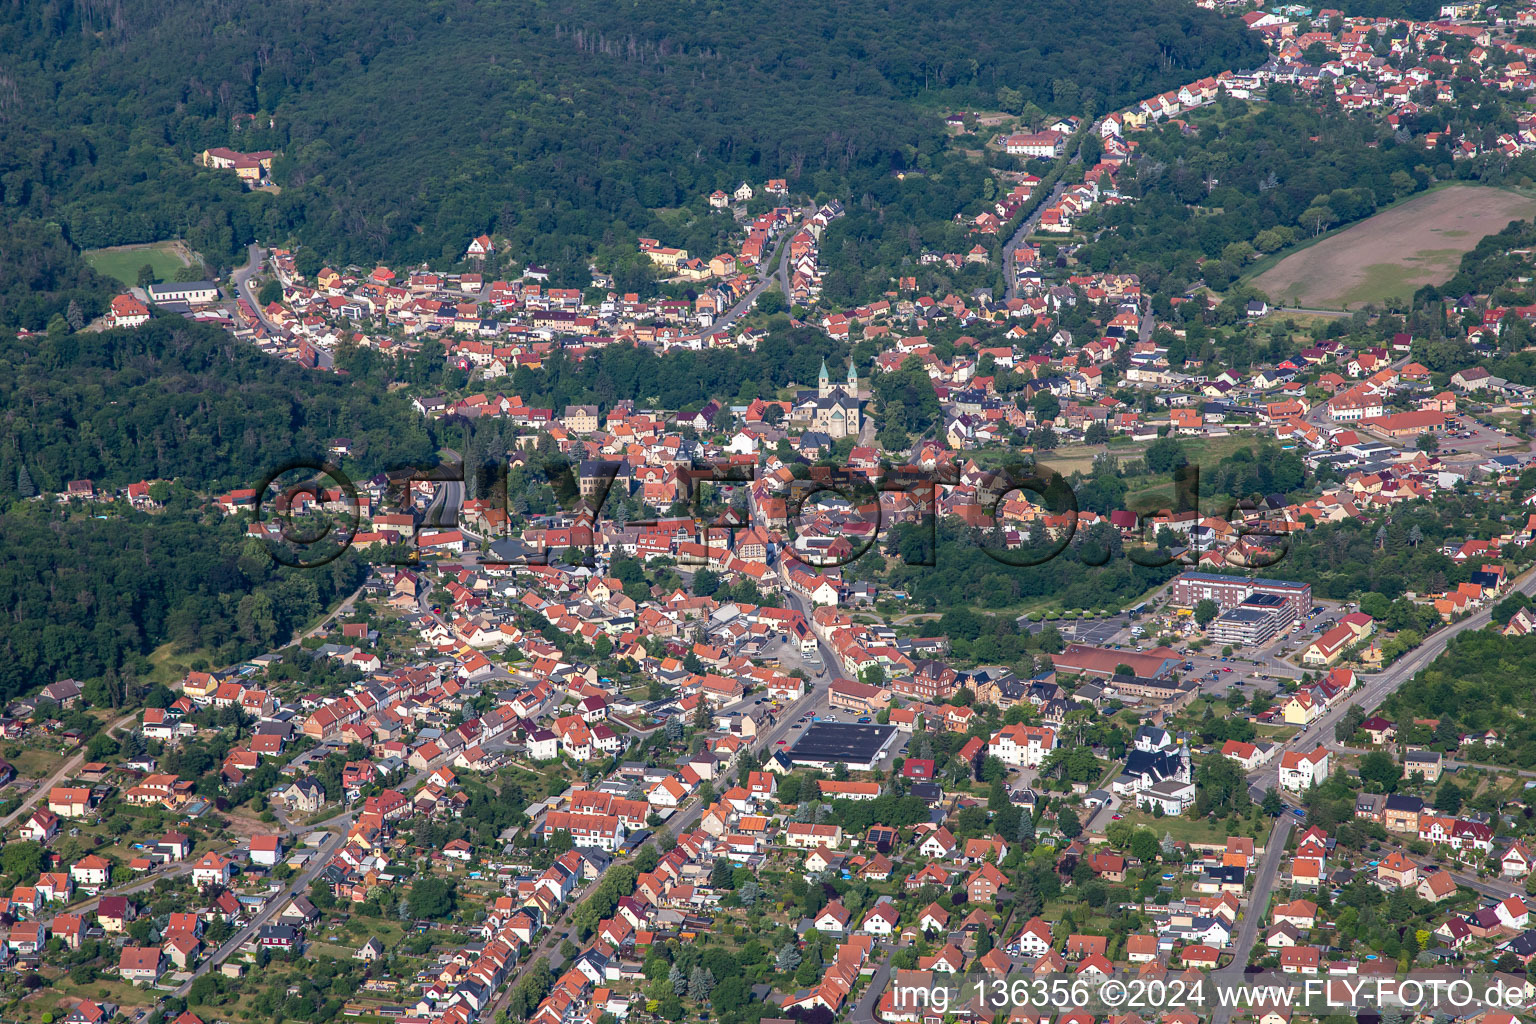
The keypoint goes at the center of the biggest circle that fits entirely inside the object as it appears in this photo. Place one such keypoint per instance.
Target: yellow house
(691, 269)
(1327, 649)
(666, 257)
(1301, 709)
(199, 685)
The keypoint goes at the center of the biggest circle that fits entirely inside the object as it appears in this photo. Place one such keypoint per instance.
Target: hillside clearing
(123, 261)
(1394, 253)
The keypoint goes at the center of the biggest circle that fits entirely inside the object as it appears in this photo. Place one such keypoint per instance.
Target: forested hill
(406, 127)
(93, 597)
(183, 401)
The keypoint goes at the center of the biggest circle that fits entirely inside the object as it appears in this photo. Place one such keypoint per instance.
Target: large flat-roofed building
(1244, 626)
(859, 747)
(1190, 588)
(1255, 622)
(1083, 660)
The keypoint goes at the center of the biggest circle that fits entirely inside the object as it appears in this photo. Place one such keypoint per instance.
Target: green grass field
(1151, 493)
(1188, 830)
(123, 261)
(169, 666)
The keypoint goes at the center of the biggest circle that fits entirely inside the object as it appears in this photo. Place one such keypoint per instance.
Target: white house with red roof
(1300, 772)
(127, 311)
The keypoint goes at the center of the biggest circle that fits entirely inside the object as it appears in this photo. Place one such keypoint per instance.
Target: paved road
(342, 822)
(1373, 693)
(300, 884)
(241, 279)
(782, 270)
(325, 623)
(443, 511)
(682, 820)
(137, 885)
(833, 669)
(1494, 888)
(1258, 906)
(765, 279)
(1378, 688)
(688, 815)
(1103, 814)
(1010, 282)
(863, 1012)
(63, 772)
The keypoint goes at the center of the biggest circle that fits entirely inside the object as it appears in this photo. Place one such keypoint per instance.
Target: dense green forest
(1344, 560)
(1481, 682)
(406, 128)
(184, 401)
(1246, 474)
(41, 274)
(950, 569)
(1418, 10)
(677, 380)
(1499, 265)
(92, 598)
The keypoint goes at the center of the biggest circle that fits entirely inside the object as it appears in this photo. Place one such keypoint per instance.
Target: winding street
(766, 277)
(241, 279)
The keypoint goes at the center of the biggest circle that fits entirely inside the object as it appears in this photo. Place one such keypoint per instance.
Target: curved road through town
(241, 279)
(765, 279)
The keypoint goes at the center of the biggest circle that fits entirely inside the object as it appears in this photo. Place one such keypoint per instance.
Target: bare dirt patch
(1395, 252)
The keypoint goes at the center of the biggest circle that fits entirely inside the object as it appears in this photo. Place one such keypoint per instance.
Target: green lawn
(1189, 830)
(1078, 458)
(1146, 494)
(1389, 254)
(123, 262)
(38, 761)
(112, 990)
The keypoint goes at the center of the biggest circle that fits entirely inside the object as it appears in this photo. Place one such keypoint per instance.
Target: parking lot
(1098, 632)
(1249, 669)
(1467, 440)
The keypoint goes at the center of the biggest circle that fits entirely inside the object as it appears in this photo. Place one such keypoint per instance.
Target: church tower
(853, 380)
(823, 381)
